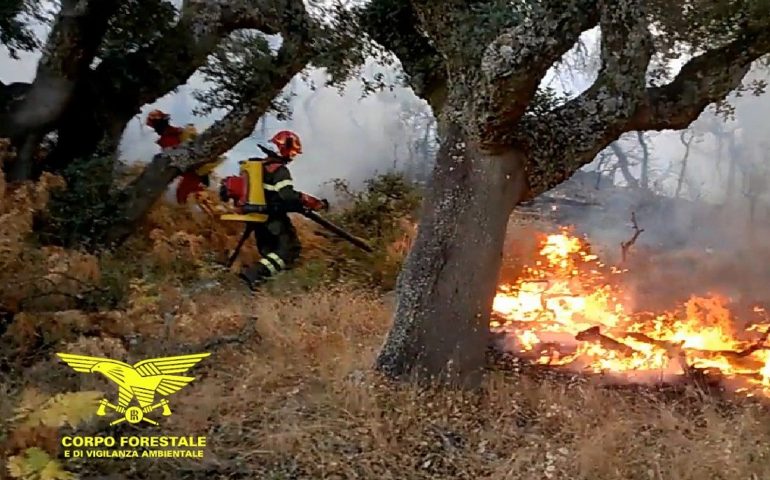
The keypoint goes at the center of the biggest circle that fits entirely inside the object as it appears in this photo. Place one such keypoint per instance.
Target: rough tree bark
(447, 283)
(66, 59)
(446, 289)
(115, 91)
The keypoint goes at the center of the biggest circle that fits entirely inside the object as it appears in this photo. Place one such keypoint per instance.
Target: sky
(346, 136)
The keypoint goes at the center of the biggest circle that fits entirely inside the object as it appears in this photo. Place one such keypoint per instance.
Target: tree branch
(127, 83)
(624, 165)
(136, 200)
(576, 132)
(394, 25)
(152, 72)
(626, 245)
(67, 56)
(516, 61)
(702, 81)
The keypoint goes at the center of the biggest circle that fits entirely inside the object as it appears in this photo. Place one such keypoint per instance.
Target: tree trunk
(645, 167)
(23, 165)
(683, 170)
(446, 287)
(624, 164)
(734, 153)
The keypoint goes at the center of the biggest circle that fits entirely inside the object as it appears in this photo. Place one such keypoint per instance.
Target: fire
(567, 309)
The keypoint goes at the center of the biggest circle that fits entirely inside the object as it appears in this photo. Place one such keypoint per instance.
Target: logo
(140, 382)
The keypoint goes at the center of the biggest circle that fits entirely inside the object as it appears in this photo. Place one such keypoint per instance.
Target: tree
(503, 141)
(686, 142)
(624, 164)
(104, 60)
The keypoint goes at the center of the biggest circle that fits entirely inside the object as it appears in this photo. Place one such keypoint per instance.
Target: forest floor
(289, 391)
(299, 400)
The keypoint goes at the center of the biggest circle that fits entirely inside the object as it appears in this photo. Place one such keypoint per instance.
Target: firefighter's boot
(253, 278)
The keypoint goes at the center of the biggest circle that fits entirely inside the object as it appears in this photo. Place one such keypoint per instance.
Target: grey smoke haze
(345, 136)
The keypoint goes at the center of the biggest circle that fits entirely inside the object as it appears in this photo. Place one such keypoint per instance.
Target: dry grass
(302, 402)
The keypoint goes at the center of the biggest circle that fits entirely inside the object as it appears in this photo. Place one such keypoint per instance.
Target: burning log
(594, 334)
(625, 246)
(738, 359)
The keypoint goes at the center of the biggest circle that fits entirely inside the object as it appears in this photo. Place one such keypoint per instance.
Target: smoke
(344, 134)
(708, 240)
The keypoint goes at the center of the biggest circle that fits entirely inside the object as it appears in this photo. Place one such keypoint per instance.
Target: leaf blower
(248, 193)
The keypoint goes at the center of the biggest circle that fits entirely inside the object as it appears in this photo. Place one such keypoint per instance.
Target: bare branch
(624, 165)
(626, 245)
(683, 171)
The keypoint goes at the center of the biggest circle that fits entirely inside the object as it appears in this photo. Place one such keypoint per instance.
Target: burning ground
(568, 309)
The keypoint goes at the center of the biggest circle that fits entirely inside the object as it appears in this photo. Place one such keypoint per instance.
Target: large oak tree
(479, 64)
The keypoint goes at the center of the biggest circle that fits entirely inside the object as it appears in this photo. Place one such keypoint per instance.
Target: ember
(568, 310)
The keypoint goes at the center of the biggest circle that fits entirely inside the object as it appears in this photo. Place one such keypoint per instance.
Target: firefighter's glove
(312, 203)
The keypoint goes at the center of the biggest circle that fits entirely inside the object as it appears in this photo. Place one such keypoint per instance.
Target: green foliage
(383, 214)
(37, 412)
(238, 65)
(78, 215)
(375, 211)
(340, 43)
(15, 19)
(136, 24)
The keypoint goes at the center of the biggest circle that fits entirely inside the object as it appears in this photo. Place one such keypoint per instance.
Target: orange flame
(565, 311)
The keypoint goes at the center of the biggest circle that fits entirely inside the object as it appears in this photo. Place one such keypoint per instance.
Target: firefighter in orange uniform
(170, 137)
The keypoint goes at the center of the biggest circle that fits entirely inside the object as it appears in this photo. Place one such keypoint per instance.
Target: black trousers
(279, 246)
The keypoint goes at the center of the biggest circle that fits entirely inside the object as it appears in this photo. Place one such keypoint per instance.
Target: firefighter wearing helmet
(276, 238)
(170, 137)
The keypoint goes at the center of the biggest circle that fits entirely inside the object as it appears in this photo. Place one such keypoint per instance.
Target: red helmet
(156, 115)
(288, 143)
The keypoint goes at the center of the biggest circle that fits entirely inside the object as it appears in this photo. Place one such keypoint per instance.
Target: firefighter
(276, 238)
(170, 137)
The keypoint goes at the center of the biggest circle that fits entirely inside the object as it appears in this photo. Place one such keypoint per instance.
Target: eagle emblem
(140, 381)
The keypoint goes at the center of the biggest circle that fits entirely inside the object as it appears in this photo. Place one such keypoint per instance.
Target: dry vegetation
(289, 393)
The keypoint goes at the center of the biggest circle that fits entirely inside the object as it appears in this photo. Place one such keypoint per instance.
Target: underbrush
(288, 391)
(184, 246)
